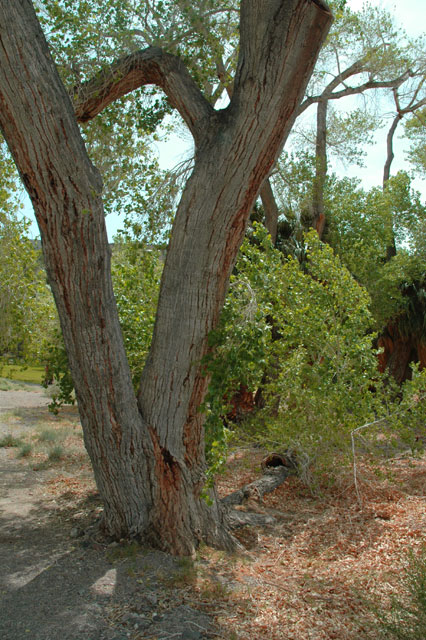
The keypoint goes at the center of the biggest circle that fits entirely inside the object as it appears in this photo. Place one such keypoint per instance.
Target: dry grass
(314, 573)
(311, 575)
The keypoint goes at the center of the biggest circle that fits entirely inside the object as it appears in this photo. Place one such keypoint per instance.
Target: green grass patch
(49, 436)
(22, 374)
(10, 441)
(56, 454)
(25, 451)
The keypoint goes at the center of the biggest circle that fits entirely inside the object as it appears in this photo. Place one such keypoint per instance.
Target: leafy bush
(406, 619)
(300, 332)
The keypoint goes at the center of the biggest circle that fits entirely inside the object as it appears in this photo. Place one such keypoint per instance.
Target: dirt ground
(311, 575)
(57, 581)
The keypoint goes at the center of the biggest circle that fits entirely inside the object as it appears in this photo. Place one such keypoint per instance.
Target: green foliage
(323, 367)
(27, 312)
(363, 224)
(406, 619)
(408, 418)
(415, 130)
(26, 305)
(57, 372)
(301, 332)
(136, 272)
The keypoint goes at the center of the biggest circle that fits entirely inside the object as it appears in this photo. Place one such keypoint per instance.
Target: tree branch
(350, 91)
(148, 66)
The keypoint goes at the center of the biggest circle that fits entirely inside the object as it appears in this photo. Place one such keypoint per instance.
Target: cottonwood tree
(147, 450)
(364, 54)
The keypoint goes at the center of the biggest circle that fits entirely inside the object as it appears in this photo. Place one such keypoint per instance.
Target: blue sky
(410, 14)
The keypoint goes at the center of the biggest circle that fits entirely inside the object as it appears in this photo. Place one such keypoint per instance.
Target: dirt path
(57, 581)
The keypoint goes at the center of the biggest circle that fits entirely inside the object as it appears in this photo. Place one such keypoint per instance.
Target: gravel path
(23, 399)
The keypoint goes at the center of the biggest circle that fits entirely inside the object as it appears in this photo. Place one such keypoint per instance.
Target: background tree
(366, 56)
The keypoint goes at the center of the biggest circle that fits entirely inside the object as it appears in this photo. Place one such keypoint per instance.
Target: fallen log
(272, 478)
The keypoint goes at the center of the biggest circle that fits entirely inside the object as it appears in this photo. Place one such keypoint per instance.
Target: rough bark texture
(398, 352)
(148, 453)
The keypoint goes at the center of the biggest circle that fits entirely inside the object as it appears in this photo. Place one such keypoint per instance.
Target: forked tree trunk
(148, 453)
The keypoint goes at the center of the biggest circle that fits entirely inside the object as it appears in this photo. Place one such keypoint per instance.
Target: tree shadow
(59, 581)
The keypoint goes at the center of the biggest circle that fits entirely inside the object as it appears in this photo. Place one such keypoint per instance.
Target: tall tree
(364, 52)
(147, 452)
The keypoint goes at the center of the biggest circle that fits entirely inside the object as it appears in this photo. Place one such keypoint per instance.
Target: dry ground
(309, 576)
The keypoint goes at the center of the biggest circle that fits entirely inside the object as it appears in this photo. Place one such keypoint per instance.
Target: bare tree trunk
(318, 212)
(391, 248)
(148, 454)
(270, 208)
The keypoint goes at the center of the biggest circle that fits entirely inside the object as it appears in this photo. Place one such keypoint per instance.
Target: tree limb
(147, 66)
(350, 91)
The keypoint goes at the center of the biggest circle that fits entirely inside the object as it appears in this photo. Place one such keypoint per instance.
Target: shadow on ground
(58, 581)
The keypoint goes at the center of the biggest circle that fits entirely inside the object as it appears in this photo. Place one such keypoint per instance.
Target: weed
(406, 619)
(25, 451)
(48, 435)
(56, 454)
(10, 441)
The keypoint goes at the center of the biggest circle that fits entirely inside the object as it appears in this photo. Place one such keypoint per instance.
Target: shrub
(25, 451)
(300, 332)
(406, 619)
(10, 441)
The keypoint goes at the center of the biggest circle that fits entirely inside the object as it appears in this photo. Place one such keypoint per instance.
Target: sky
(411, 15)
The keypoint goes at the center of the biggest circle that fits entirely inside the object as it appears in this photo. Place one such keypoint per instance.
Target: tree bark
(148, 453)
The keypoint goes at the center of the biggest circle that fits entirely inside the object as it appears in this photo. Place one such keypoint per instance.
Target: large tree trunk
(147, 453)
(398, 351)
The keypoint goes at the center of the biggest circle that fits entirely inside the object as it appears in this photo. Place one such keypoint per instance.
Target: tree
(147, 452)
(364, 52)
